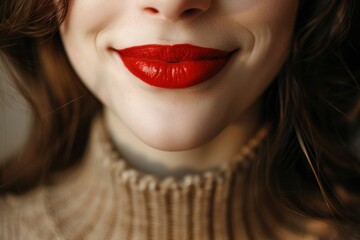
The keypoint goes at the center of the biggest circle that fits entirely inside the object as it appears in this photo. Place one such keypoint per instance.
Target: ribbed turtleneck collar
(103, 198)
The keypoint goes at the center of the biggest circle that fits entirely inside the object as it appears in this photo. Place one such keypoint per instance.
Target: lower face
(257, 32)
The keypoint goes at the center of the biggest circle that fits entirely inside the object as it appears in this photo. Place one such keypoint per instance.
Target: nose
(174, 10)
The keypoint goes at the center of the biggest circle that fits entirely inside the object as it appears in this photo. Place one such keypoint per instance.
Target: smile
(173, 66)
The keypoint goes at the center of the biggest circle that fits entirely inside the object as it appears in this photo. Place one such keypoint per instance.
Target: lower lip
(183, 74)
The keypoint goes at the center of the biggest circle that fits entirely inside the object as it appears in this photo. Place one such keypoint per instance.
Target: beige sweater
(103, 198)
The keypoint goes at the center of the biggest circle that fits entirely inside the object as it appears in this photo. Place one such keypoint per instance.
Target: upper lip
(173, 53)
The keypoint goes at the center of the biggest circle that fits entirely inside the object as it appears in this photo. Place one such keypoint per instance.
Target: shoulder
(24, 217)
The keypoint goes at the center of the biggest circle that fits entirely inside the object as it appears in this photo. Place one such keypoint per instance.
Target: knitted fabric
(103, 198)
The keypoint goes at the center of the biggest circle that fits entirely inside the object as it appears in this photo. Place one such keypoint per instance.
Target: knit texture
(103, 198)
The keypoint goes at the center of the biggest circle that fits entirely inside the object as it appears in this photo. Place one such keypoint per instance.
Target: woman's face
(181, 100)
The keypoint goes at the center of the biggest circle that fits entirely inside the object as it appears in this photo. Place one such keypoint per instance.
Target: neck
(223, 148)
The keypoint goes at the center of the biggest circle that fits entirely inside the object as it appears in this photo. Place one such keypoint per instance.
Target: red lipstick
(173, 66)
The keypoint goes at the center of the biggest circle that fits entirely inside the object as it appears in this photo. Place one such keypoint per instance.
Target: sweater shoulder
(24, 217)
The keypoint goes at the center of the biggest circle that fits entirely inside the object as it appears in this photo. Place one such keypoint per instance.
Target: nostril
(151, 10)
(189, 12)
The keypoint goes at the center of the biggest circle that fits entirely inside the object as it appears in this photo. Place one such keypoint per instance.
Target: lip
(173, 66)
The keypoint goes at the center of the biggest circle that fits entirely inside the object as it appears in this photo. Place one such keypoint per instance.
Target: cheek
(265, 8)
(89, 16)
(270, 24)
(79, 33)
(264, 18)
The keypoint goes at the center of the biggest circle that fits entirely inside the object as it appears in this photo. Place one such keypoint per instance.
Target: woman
(215, 120)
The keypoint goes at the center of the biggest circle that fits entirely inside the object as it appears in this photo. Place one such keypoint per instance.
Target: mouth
(174, 66)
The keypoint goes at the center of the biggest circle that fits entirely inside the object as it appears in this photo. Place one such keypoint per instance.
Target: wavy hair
(308, 165)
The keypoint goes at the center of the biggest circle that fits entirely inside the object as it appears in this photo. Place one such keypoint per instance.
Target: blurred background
(15, 118)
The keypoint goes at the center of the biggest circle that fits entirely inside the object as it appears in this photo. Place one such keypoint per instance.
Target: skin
(176, 131)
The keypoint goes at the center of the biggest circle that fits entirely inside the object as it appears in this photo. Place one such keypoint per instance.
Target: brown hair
(311, 164)
(313, 104)
(33, 56)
